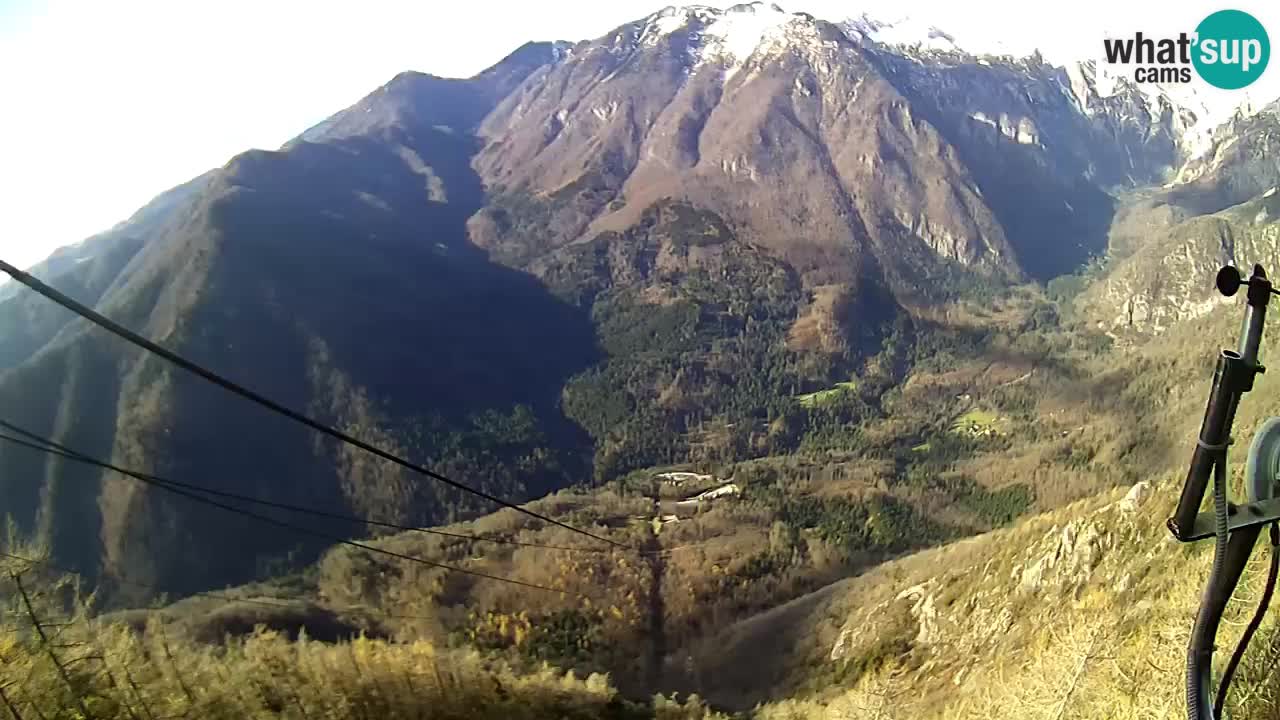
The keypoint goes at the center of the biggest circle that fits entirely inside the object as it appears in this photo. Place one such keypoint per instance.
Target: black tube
(1254, 623)
(1228, 566)
(1232, 377)
(1197, 676)
(1214, 431)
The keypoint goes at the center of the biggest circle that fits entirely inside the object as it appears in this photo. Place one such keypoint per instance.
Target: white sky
(105, 103)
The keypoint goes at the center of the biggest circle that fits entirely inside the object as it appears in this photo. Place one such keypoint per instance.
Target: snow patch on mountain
(729, 36)
(667, 21)
(1212, 107)
(743, 28)
(1107, 82)
(673, 19)
(911, 36)
(903, 32)
(1088, 77)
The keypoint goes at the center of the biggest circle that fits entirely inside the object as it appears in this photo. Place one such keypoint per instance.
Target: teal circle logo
(1232, 49)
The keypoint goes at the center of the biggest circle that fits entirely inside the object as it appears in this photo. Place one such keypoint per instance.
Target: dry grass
(52, 666)
(1106, 643)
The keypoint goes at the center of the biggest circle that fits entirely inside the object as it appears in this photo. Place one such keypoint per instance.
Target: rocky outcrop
(964, 611)
(1067, 557)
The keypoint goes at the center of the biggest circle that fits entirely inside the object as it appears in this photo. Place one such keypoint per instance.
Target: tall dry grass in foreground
(54, 667)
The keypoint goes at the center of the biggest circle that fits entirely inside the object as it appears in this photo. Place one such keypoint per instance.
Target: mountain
(869, 151)
(685, 106)
(1220, 209)
(418, 100)
(586, 260)
(1239, 164)
(1170, 280)
(308, 273)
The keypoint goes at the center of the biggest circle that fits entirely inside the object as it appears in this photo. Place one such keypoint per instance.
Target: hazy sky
(105, 103)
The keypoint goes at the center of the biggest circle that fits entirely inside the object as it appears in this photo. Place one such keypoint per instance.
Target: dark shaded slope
(335, 278)
(69, 391)
(1042, 157)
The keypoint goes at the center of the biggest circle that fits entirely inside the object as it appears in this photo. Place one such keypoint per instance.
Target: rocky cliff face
(1170, 278)
(1044, 145)
(776, 122)
(821, 143)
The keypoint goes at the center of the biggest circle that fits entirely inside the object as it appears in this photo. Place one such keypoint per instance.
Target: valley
(876, 362)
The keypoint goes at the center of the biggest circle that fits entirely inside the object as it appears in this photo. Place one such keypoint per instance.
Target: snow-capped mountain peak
(911, 35)
(1211, 109)
(729, 36)
(672, 19)
(742, 28)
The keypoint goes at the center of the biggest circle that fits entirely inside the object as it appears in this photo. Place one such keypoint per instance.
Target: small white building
(679, 478)
(722, 491)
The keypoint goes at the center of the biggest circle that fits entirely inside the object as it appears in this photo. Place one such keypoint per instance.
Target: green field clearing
(813, 399)
(977, 420)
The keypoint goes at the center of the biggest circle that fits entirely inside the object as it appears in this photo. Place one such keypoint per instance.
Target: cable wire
(136, 339)
(12, 427)
(84, 459)
(305, 510)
